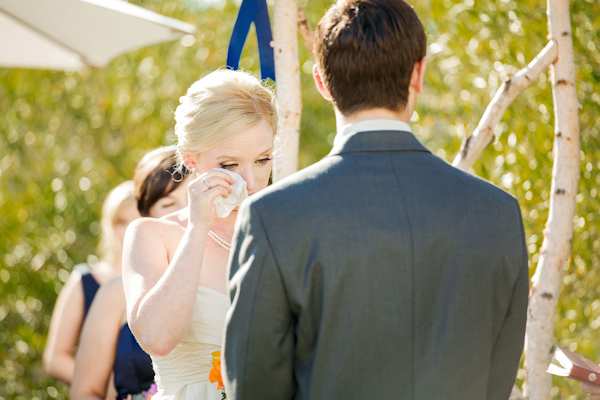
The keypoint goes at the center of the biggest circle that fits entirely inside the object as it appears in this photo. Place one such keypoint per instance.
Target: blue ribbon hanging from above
(253, 11)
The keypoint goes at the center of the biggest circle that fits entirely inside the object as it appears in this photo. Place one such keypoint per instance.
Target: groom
(380, 272)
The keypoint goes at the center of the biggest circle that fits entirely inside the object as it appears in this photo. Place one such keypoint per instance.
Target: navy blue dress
(133, 367)
(90, 287)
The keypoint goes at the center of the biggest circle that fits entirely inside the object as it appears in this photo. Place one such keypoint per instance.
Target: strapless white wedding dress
(183, 374)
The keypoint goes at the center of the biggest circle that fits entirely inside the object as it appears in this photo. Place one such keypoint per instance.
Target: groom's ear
(418, 74)
(320, 85)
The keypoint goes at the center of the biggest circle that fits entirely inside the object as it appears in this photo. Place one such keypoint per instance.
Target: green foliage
(67, 138)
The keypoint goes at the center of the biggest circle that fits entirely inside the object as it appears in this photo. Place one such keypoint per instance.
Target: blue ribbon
(253, 11)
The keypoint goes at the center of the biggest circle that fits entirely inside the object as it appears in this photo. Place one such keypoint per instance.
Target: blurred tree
(67, 138)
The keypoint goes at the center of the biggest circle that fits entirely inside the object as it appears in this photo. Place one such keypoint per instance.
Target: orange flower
(215, 374)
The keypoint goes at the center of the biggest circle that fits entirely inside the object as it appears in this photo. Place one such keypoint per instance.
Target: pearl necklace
(220, 241)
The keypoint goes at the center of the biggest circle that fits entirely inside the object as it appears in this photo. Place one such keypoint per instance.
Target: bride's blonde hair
(220, 105)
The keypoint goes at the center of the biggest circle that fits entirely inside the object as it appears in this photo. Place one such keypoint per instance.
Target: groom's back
(407, 278)
(381, 272)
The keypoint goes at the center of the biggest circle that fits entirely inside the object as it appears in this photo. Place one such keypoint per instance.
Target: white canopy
(70, 34)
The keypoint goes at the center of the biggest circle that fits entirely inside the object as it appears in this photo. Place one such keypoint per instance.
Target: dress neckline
(212, 290)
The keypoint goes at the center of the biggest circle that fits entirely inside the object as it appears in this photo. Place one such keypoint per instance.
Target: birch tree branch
(306, 31)
(483, 135)
(289, 98)
(558, 235)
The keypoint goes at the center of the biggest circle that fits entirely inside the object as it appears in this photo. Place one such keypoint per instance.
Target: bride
(174, 268)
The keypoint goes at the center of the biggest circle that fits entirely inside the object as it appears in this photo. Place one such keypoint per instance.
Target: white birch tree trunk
(516, 394)
(289, 98)
(546, 282)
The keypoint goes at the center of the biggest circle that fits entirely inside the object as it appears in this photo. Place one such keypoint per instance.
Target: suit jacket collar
(373, 141)
(369, 125)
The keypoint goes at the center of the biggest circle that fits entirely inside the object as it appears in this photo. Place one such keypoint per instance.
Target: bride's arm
(160, 301)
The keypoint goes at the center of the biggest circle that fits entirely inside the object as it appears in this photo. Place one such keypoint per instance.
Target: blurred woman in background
(75, 298)
(107, 345)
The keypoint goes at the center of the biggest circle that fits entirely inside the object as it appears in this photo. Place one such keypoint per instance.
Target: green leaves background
(67, 138)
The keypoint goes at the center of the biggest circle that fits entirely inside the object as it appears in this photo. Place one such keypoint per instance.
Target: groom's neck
(373, 113)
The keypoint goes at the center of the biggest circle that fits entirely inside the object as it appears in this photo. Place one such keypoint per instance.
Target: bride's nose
(251, 179)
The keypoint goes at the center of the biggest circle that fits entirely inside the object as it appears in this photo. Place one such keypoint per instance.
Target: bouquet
(215, 374)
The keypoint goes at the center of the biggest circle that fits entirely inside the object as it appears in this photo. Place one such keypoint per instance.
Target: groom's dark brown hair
(366, 51)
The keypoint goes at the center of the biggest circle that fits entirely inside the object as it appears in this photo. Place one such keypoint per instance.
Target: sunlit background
(67, 138)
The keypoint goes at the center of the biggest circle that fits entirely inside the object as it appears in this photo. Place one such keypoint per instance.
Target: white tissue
(239, 193)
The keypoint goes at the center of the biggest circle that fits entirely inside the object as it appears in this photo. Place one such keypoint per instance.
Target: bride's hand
(202, 192)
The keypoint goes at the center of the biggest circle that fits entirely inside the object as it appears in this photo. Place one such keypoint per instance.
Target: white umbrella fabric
(71, 34)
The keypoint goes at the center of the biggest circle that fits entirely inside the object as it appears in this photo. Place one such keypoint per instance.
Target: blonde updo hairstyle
(109, 246)
(218, 106)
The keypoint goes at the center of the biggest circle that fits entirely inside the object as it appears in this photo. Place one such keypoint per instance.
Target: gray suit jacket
(380, 272)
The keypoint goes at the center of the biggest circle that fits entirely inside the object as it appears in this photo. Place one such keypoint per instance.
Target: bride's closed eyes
(262, 161)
